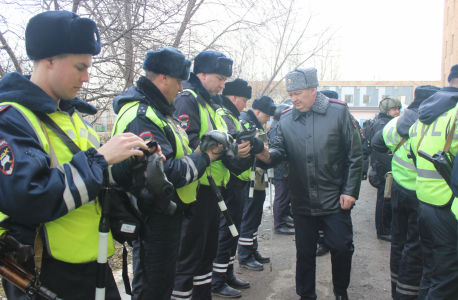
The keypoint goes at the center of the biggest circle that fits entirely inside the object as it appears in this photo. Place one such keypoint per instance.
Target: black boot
(284, 230)
(253, 265)
(341, 297)
(227, 292)
(259, 258)
(321, 250)
(236, 283)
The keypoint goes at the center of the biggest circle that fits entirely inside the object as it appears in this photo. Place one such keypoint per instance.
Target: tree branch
(10, 53)
(75, 5)
(190, 11)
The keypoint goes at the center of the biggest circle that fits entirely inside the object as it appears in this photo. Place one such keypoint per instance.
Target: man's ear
(164, 79)
(48, 62)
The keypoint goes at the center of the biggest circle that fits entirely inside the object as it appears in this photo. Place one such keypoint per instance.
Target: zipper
(34, 156)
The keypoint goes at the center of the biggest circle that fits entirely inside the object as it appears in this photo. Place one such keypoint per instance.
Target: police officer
(248, 255)
(199, 235)
(52, 164)
(281, 207)
(323, 148)
(438, 209)
(389, 109)
(147, 111)
(322, 248)
(224, 283)
(406, 264)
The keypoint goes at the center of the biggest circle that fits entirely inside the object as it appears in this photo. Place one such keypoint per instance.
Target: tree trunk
(10, 53)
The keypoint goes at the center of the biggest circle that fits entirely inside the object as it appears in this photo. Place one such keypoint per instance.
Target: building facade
(363, 97)
(449, 43)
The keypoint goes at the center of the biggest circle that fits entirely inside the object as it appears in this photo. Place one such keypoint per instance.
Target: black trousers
(281, 202)
(161, 251)
(68, 281)
(406, 259)
(338, 236)
(382, 212)
(199, 244)
(252, 217)
(438, 236)
(223, 265)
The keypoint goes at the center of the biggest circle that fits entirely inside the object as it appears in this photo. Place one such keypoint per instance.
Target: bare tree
(252, 32)
(327, 61)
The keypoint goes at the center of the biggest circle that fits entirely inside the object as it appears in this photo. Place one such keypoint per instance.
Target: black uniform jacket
(382, 161)
(281, 170)
(188, 113)
(323, 149)
(403, 125)
(181, 171)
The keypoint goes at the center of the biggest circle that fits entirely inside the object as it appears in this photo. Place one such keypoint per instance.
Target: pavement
(370, 277)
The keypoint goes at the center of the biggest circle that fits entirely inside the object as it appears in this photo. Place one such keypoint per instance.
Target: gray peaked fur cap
(168, 61)
(301, 79)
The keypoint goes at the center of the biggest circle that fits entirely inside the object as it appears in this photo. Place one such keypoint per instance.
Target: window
(349, 98)
(367, 99)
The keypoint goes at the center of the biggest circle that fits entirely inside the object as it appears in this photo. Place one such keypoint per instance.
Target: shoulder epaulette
(337, 101)
(286, 110)
(186, 93)
(3, 107)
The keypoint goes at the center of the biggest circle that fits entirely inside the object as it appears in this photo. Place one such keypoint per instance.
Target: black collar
(195, 82)
(227, 103)
(155, 97)
(254, 119)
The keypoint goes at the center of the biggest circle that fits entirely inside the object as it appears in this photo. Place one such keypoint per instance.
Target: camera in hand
(216, 137)
(248, 133)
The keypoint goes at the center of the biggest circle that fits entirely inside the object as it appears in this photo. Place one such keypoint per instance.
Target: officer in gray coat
(323, 147)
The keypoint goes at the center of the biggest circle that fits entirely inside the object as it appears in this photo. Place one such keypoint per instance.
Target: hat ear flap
(186, 69)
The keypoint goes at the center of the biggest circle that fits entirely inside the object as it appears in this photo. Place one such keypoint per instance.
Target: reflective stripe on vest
(431, 187)
(403, 168)
(128, 113)
(74, 237)
(218, 171)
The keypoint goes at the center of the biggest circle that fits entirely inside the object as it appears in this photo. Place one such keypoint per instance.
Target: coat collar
(227, 103)
(320, 106)
(254, 119)
(155, 97)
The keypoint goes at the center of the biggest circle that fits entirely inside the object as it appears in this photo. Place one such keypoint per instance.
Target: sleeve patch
(3, 107)
(6, 158)
(146, 136)
(184, 121)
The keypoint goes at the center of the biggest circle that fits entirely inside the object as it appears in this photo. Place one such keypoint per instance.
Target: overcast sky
(386, 39)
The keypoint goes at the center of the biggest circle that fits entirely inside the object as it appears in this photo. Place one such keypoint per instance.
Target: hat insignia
(289, 80)
(230, 66)
(95, 36)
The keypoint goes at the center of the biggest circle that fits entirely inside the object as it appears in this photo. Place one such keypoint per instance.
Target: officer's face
(262, 117)
(304, 99)
(213, 83)
(394, 112)
(239, 102)
(68, 74)
(171, 88)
